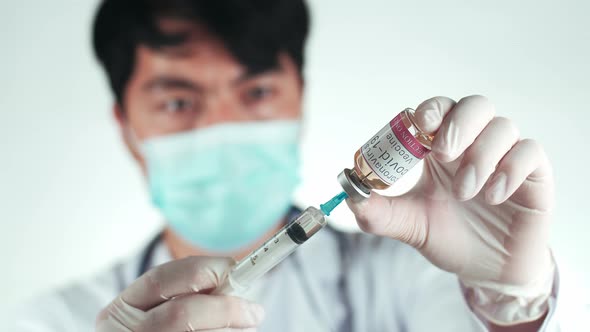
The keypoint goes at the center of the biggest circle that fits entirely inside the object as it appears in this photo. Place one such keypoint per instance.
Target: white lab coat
(334, 282)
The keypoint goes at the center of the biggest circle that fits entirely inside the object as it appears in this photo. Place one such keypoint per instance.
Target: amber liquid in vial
(363, 170)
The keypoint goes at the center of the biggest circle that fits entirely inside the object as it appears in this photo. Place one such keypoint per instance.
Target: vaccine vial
(386, 157)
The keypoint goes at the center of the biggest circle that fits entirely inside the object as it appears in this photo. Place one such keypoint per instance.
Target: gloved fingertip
(446, 144)
(465, 183)
(430, 113)
(496, 191)
(428, 119)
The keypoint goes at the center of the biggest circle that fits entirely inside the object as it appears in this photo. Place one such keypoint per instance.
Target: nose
(220, 108)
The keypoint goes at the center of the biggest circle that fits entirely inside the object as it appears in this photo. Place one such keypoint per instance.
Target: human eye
(177, 105)
(258, 93)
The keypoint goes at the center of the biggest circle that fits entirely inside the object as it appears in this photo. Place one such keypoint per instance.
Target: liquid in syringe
(277, 248)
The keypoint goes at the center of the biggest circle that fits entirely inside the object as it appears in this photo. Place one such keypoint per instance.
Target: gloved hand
(173, 297)
(481, 209)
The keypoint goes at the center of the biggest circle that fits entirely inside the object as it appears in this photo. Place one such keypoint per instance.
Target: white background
(72, 202)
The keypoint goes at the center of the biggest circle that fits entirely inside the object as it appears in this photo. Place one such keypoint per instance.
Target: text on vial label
(393, 151)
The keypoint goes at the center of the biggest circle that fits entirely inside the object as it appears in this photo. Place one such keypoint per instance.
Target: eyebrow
(169, 82)
(250, 74)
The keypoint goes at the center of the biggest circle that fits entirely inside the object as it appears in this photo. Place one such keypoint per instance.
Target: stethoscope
(318, 309)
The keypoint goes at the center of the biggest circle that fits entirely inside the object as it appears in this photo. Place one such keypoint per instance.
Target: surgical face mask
(221, 188)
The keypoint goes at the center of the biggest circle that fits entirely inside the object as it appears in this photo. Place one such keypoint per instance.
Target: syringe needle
(333, 203)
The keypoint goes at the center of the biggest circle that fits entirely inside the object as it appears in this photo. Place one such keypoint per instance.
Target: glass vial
(386, 157)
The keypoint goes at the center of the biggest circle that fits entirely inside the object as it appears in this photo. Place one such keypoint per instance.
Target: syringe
(277, 248)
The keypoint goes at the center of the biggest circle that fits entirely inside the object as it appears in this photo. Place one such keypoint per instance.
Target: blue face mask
(222, 187)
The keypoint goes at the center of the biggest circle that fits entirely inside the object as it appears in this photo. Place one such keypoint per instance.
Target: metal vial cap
(352, 185)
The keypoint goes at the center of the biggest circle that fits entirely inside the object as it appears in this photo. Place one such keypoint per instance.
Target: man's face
(200, 84)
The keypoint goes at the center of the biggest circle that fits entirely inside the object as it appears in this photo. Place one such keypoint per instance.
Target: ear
(118, 114)
(127, 134)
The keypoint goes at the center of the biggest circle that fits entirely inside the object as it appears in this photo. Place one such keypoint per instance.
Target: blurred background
(72, 202)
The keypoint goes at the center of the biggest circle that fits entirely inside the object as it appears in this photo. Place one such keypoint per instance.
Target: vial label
(393, 151)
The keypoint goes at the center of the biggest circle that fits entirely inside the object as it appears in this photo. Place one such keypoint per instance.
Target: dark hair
(254, 31)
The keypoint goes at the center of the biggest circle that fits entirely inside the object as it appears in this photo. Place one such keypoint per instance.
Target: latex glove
(481, 209)
(173, 297)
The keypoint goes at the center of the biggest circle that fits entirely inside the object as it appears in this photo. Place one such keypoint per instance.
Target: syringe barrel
(272, 252)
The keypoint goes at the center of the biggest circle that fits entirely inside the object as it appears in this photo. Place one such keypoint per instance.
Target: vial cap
(352, 186)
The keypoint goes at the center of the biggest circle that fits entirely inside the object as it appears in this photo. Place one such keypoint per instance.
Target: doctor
(208, 97)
